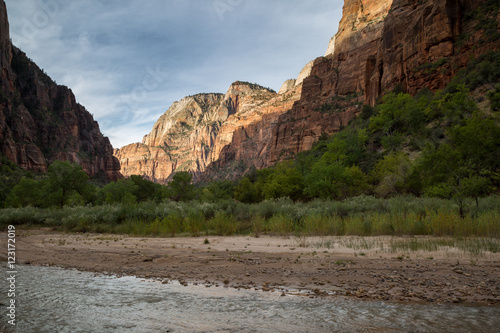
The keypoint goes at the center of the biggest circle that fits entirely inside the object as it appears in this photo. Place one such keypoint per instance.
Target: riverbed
(51, 299)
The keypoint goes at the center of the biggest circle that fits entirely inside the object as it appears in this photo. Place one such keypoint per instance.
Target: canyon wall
(181, 139)
(191, 134)
(40, 121)
(380, 46)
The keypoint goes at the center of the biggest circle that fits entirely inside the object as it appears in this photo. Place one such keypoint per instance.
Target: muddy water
(57, 300)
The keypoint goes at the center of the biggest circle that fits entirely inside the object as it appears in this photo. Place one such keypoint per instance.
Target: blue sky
(127, 61)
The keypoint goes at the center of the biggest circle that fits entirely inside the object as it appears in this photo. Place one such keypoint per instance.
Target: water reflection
(57, 300)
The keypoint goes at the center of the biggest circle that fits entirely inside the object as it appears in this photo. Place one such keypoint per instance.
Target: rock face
(182, 139)
(280, 135)
(40, 121)
(416, 36)
(304, 73)
(380, 45)
(245, 138)
(287, 86)
(192, 133)
(331, 47)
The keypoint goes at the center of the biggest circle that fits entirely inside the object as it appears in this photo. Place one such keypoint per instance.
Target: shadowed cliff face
(40, 121)
(330, 96)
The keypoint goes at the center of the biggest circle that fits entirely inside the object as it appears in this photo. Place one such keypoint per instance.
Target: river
(50, 299)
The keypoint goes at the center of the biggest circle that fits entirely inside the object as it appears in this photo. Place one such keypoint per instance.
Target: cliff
(40, 121)
(190, 135)
(380, 46)
(181, 139)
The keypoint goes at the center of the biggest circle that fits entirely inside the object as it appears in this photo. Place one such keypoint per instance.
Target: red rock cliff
(380, 45)
(181, 140)
(40, 121)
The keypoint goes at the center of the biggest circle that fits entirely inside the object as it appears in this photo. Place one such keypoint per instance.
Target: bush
(281, 224)
(194, 223)
(173, 224)
(223, 224)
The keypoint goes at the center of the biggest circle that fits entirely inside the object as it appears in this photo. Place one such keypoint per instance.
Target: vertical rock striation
(181, 140)
(380, 45)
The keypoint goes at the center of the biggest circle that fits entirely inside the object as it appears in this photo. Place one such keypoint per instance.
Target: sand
(353, 267)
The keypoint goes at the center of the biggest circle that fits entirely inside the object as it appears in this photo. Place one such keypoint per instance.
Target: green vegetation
(422, 165)
(362, 215)
(431, 67)
(10, 176)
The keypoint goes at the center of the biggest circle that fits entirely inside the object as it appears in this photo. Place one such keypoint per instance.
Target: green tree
(334, 175)
(392, 173)
(180, 188)
(477, 141)
(467, 166)
(325, 180)
(66, 183)
(10, 176)
(121, 191)
(452, 107)
(27, 193)
(283, 180)
(146, 190)
(494, 97)
(218, 190)
(247, 192)
(399, 113)
(356, 182)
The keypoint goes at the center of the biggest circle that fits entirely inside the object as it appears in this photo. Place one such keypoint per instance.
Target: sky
(127, 61)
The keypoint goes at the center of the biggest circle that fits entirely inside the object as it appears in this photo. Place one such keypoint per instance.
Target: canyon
(380, 46)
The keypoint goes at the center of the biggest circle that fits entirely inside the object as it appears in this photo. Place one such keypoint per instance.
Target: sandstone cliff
(182, 139)
(193, 131)
(40, 121)
(379, 46)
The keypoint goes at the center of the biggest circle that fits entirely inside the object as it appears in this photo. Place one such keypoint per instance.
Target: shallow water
(56, 300)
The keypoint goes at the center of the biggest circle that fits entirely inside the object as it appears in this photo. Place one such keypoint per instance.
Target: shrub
(223, 224)
(173, 224)
(194, 223)
(281, 224)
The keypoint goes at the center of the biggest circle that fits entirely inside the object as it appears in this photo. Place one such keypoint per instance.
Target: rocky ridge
(41, 122)
(192, 133)
(180, 140)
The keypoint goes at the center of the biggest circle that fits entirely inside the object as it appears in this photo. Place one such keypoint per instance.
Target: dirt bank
(363, 268)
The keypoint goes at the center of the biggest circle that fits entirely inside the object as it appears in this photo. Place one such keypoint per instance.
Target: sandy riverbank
(362, 268)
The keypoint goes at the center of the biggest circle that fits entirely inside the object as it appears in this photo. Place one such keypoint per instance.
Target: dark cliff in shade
(40, 121)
